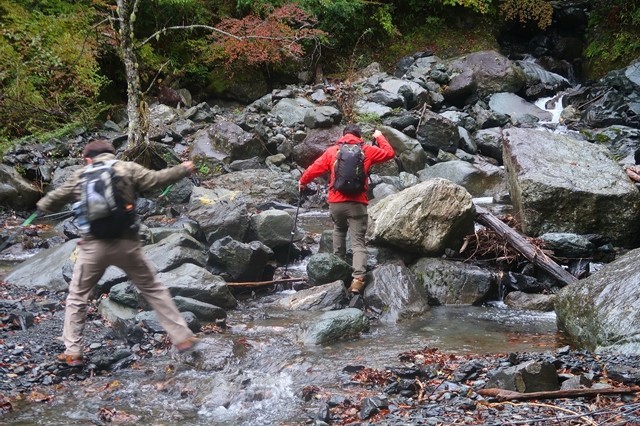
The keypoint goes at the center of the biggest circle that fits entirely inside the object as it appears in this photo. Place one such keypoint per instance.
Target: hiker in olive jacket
(125, 252)
(349, 211)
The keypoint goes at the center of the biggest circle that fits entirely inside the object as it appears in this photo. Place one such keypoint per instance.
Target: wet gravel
(421, 387)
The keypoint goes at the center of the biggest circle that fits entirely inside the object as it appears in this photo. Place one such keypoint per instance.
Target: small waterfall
(552, 104)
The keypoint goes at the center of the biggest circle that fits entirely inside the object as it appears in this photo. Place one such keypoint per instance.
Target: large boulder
(15, 191)
(517, 108)
(487, 72)
(408, 150)
(242, 261)
(195, 282)
(44, 270)
(227, 140)
(272, 227)
(219, 212)
(602, 312)
(292, 111)
(479, 182)
(256, 187)
(437, 132)
(561, 184)
(314, 144)
(426, 218)
(394, 291)
(317, 298)
(454, 283)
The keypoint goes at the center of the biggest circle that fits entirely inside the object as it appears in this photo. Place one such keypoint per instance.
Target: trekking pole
(27, 222)
(165, 192)
(293, 232)
(57, 215)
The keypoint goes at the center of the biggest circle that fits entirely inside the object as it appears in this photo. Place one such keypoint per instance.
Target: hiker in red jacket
(349, 210)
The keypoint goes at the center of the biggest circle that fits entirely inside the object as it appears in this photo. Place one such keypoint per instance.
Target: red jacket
(324, 163)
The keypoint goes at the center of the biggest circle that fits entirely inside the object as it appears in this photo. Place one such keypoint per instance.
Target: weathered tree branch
(265, 283)
(532, 253)
(217, 30)
(191, 27)
(505, 395)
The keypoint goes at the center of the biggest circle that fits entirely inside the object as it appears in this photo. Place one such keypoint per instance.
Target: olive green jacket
(142, 178)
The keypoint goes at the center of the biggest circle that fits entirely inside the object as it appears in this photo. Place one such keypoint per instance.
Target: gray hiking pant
(352, 217)
(94, 256)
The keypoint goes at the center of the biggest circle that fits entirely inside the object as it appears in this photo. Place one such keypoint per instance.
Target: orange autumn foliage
(271, 40)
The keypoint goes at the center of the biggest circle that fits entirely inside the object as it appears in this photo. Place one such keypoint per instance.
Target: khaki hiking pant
(352, 217)
(93, 259)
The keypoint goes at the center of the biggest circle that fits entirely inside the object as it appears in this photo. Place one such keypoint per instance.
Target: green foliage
(49, 74)
(368, 118)
(614, 35)
(343, 20)
(439, 36)
(480, 6)
(538, 12)
(204, 169)
(384, 18)
(258, 7)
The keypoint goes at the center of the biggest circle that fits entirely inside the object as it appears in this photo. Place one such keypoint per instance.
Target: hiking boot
(357, 285)
(187, 345)
(70, 360)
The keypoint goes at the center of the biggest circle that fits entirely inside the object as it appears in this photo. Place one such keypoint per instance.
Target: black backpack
(348, 169)
(107, 204)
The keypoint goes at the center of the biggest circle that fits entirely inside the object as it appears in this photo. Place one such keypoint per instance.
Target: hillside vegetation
(61, 67)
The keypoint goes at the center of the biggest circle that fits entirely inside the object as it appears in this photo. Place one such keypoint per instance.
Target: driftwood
(532, 253)
(507, 395)
(265, 283)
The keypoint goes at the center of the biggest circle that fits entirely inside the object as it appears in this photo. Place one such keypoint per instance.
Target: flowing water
(263, 385)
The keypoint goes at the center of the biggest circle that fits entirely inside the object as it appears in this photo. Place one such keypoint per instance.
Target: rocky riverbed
(456, 135)
(421, 386)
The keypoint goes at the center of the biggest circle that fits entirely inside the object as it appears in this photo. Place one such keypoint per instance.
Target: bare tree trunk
(136, 106)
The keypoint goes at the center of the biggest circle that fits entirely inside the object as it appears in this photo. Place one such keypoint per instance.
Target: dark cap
(354, 129)
(97, 147)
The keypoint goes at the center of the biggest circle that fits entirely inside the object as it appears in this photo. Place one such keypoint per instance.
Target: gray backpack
(348, 169)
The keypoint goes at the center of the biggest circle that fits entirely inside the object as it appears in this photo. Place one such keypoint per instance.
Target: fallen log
(507, 395)
(518, 242)
(265, 283)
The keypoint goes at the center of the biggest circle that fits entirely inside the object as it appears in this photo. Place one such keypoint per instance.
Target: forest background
(62, 62)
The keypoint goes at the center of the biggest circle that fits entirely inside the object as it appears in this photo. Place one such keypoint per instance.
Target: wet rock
(220, 213)
(272, 227)
(598, 313)
(426, 218)
(585, 180)
(202, 311)
(242, 261)
(530, 376)
(535, 302)
(193, 281)
(44, 270)
(315, 298)
(371, 406)
(452, 282)
(394, 290)
(332, 326)
(325, 268)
